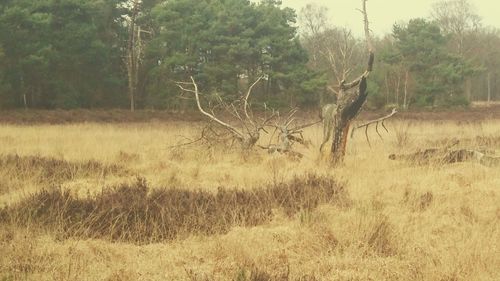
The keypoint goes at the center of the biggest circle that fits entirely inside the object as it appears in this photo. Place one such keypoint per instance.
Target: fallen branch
(447, 155)
(247, 133)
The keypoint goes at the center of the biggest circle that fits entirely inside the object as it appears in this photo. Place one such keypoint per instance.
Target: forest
(65, 54)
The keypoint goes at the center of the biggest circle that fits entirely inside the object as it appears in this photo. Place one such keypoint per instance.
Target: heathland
(82, 199)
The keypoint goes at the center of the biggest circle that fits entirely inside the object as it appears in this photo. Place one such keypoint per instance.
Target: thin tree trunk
(398, 85)
(132, 60)
(25, 101)
(489, 88)
(386, 90)
(468, 88)
(405, 102)
(131, 68)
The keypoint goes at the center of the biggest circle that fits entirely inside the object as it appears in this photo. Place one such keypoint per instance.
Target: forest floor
(90, 198)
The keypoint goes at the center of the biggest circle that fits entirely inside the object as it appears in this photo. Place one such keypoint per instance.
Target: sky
(384, 13)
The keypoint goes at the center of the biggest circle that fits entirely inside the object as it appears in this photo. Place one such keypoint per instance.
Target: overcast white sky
(384, 13)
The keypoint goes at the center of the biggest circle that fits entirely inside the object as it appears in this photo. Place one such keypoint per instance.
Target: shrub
(137, 214)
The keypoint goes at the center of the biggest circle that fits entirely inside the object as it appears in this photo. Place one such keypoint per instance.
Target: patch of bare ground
(134, 213)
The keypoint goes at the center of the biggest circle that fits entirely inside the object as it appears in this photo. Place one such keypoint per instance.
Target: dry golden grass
(403, 222)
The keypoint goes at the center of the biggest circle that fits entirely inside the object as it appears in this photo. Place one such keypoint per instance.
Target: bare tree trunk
(347, 109)
(398, 86)
(405, 101)
(386, 90)
(339, 144)
(132, 57)
(489, 88)
(25, 101)
(468, 88)
(350, 103)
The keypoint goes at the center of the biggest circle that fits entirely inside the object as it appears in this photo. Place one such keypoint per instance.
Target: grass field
(115, 201)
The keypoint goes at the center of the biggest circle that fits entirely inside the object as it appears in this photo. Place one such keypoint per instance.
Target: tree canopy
(421, 47)
(60, 54)
(73, 54)
(69, 53)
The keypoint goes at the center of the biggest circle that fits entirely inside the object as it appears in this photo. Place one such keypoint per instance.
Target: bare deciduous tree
(245, 128)
(249, 132)
(337, 51)
(134, 51)
(458, 19)
(349, 102)
(332, 49)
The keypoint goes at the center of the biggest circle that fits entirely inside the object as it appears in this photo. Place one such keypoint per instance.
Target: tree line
(444, 60)
(131, 53)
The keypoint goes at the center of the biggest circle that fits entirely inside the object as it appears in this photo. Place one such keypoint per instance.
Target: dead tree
(328, 112)
(288, 135)
(248, 130)
(245, 128)
(350, 102)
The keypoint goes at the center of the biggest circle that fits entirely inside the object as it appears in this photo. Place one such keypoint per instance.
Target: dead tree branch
(377, 121)
(246, 106)
(239, 135)
(449, 155)
(288, 136)
(371, 49)
(244, 129)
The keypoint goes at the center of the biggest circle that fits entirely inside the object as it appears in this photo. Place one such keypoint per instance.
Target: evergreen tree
(225, 42)
(438, 75)
(60, 53)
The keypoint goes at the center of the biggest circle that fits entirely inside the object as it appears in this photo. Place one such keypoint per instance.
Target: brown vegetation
(369, 219)
(134, 213)
(27, 117)
(16, 171)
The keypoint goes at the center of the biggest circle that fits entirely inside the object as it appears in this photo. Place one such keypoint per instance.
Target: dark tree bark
(350, 102)
(347, 109)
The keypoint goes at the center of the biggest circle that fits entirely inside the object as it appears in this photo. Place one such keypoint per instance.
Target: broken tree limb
(377, 121)
(287, 136)
(212, 117)
(447, 155)
(247, 130)
(367, 32)
(245, 105)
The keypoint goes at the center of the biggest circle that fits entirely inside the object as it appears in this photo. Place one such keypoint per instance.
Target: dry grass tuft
(417, 201)
(137, 214)
(380, 237)
(16, 171)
